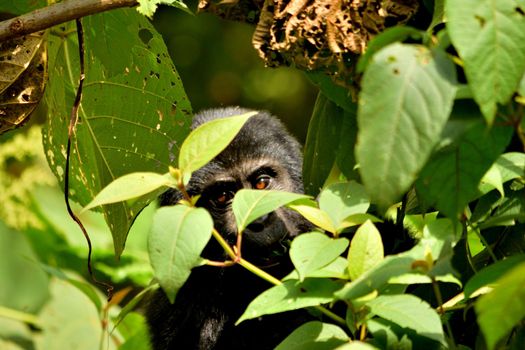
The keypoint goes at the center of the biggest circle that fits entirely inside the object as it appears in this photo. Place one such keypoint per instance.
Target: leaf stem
(224, 244)
(441, 311)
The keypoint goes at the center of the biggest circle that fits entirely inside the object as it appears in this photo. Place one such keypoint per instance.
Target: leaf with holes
(134, 112)
(178, 236)
(400, 122)
(489, 36)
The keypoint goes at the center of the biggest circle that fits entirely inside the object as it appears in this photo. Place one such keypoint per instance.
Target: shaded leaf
(178, 236)
(314, 336)
(366, 250)
(249, 205)
(451, 178)
(312, 251)
(335, 269)
(401, 122)
(291, 295)
(409, 311)
(127, 98)
(331, 138)
(490, 38)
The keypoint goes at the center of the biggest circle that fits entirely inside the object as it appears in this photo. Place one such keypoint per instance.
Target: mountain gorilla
(262, 156)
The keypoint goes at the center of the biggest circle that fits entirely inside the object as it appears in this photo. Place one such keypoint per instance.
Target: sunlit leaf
(178, 236)
(411, 312)
(249, 205)
(291, 295)
(311, 251)
(130, 186)
(366, 250)
(208, 140)
(314, 335)
(148, 7)
(312, 213)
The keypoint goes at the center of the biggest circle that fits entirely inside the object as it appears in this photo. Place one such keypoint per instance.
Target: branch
(58, 13)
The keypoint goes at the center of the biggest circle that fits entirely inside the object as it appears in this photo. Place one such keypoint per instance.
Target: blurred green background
(219, 67)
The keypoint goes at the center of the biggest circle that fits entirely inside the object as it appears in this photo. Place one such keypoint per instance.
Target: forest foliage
(417, 138)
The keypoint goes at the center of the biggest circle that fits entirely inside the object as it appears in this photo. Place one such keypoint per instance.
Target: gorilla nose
(258, 224)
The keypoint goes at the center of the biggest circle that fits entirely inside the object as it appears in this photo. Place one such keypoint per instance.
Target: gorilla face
(263, 156)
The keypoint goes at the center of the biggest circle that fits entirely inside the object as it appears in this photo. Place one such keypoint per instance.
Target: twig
(72, 123)
(58, 13)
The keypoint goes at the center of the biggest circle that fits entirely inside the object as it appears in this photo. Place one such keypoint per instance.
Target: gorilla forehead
(262, 142)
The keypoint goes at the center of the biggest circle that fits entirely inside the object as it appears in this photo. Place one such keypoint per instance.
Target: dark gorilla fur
(213, 298)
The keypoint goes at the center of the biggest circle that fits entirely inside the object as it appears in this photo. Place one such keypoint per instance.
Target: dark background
(219, 67)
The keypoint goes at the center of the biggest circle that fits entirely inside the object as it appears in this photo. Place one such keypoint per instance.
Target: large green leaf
(503, 308)
(134, 112)
(291, 295)
(248, 205)
(489, 36)
(451, 178)
(331, 138)
(311, 251)
(314, 336)
(411, 312)
(178, 236)
(400, 121)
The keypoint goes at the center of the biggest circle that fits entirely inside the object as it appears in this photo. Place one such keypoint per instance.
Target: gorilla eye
(223, 197)
(262, 182)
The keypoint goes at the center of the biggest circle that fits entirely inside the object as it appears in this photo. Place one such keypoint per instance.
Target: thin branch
(72, 124)
(58, 13)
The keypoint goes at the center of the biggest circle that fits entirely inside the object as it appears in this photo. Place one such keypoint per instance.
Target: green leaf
(389, 36)
(148, 7)
(438, 14)
(356, 345)
(314, 335)
(335, 269)
(132, 304)
(503, 308)
(291, 295)
(178, 236)
(451, 178)
(489, 36)
(331, 138)
(490, 274)
(134, 112)
(376, 278)
(311, 251)
(208, 140)
(509, 166)
(249, 205)
(310, 211)
(409, 311)
(334, 92)
(341, 200)
(366, 250)
(69, 312)
(130, 186)
(400, 122)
